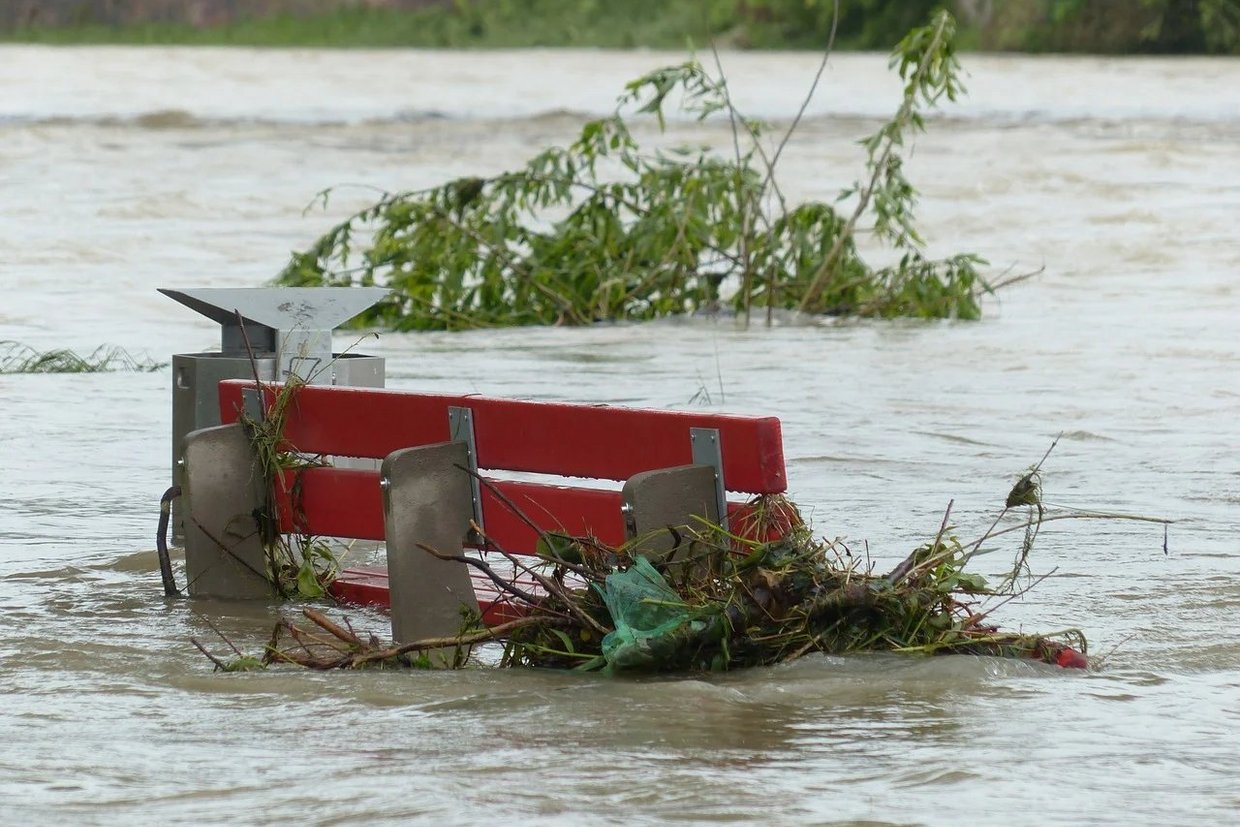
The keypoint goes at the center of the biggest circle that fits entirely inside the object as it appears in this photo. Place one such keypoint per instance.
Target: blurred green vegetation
(773, 24)
(1114, 26)
(1094, 26)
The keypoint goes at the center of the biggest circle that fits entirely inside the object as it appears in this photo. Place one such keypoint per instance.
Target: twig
(505, 585)
(819, 280)
(273, 645)
(548, 584)
(249, 349)
(1038, 466)
(219, 664)
(222, 636)
(813, 88)
(742, 202)
(322, 620)
(977, 618)
(974, 546)
(1089, 516)
(909, 563)
(226, 549)
(503, 498)
(507, 502)
(294, 633)
(1016, 279)
(302, 635)
(492, 633)
(1099, 662)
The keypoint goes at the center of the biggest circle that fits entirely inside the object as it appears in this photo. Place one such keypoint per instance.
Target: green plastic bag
(646, 613)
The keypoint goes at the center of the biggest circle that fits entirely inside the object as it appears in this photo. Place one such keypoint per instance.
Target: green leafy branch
(604, 229)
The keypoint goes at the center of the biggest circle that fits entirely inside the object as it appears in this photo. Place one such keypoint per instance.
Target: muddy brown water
(123, 170)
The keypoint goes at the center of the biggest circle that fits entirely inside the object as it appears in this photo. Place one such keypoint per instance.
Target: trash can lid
(279, 308)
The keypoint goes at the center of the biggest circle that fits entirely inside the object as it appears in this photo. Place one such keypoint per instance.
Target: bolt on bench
(674, 466)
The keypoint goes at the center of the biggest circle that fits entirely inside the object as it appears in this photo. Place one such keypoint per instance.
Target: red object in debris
(1069, 658)
(1059, 654)
(766, 525)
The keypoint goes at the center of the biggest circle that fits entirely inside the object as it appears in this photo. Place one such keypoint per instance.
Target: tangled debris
(734, 604)
(766, 593)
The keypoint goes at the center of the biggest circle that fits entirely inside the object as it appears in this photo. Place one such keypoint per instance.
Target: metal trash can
(281, 332)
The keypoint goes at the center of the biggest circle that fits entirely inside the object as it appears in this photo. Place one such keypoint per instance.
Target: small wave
(61, 573)
(138, 561)
(166, 119)
(1085, 436)
(182, 120)
(409, 116)
(955, 438)
(1140, 125)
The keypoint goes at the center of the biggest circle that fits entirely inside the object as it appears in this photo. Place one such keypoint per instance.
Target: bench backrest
(564, 440)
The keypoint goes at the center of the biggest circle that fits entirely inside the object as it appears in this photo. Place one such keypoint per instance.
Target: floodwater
(123, 170)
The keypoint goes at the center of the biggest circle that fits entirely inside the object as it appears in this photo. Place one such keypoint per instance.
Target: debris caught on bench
(727, 603)
(723, 602)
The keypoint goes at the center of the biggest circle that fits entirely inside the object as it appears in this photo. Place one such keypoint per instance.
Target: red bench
(506, 437)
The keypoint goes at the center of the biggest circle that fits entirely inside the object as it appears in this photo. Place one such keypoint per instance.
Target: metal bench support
(676, 497)
(708, 450)
(223, 491)
(461, 429)
(427, 500)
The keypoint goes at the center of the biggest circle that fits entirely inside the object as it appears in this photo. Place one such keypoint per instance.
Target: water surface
(123, 170)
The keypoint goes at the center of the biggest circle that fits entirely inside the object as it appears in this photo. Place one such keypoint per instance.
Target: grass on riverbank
(1078, 26)
(653, 24)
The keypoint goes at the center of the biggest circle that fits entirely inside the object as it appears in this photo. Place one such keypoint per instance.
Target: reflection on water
(1118, 176)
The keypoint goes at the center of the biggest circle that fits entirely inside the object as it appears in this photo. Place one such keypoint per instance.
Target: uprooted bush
(604, 229)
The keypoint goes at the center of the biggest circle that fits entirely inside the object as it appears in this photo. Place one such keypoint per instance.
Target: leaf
(566, 640)
(970, 583)
(308, 584)
(244, 663)
(557, 548)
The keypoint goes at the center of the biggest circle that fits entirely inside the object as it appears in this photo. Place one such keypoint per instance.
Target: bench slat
(331, 502)
(369, 587)
(576, 511)
(347, 502)
(512, 435)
